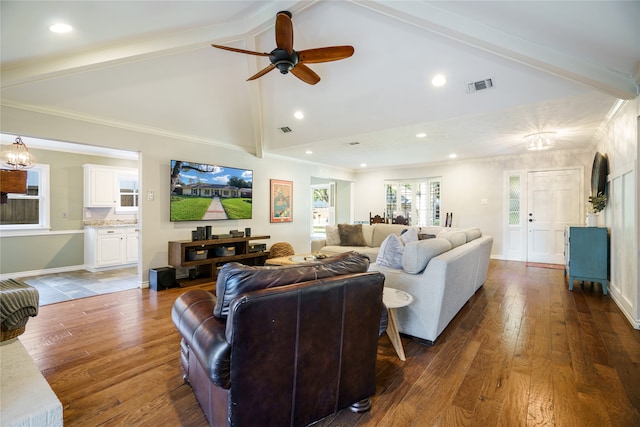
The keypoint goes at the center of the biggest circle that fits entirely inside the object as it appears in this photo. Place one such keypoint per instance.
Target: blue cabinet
(587, 255)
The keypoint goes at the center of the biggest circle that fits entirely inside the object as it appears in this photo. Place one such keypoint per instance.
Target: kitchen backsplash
(107, 214)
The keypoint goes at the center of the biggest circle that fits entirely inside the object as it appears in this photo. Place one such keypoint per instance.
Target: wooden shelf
(207, 267)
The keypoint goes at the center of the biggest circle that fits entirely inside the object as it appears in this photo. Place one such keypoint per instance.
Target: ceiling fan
(285, 59)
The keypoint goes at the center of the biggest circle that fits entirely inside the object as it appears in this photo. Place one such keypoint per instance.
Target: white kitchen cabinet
(109, 247)
(131, 238)
(110, 187)
(100, 186)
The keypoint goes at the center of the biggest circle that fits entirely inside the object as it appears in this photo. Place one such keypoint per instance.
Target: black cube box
(162, 278)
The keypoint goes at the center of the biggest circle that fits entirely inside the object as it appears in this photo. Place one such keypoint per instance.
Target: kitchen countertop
(110, 223)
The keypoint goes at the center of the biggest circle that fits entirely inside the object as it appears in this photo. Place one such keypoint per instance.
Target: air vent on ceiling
(479, 85)
(353, 143)
(285, 129)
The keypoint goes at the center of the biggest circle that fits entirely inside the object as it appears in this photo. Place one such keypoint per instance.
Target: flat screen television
(203, 192)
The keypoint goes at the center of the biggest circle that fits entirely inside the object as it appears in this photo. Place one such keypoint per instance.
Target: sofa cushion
(351, 235)
(333, 236)
(235, 279)
(455, 237)
(391, 250)
(430, 229)
(382, 231)
(367, 232)
(417, 255)
(472, 233)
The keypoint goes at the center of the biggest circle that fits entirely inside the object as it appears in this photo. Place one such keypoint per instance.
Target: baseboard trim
(635, 323)
(110, 267)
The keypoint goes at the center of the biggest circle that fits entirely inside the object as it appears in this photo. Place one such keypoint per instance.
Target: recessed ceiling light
(438, 80)
(308, 152)
(298, 115)
(60, 28)
(363, 165)
(421, 135)
(453, 156)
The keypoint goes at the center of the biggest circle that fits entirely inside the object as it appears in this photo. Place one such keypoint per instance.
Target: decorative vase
(592, 219)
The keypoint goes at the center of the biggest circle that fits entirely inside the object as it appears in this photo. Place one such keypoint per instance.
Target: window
(416, 200)
(31, 210)
(323, 208)
(514, 200)
(128, 193)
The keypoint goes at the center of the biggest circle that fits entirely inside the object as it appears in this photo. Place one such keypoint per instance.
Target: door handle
(530, 219)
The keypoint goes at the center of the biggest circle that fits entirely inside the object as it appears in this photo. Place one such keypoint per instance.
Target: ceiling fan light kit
(286, 59)
(540, 141)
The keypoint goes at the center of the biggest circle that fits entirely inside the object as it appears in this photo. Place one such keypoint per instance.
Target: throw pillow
(390, 254)
(409, 235)
(425, 236)
(351, 235)
(333, 237)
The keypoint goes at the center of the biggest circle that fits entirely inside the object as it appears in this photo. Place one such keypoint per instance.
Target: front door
(554, 199)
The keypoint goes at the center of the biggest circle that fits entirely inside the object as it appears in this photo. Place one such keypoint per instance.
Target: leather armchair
(287, 354)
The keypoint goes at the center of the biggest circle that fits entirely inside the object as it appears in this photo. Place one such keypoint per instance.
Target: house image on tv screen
(203, 192)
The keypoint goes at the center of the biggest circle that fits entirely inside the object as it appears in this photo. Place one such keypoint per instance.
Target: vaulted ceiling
(149, 66)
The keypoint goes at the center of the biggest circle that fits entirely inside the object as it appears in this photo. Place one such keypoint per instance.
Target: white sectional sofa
(373, 235)
(448, 280)
(441, 274)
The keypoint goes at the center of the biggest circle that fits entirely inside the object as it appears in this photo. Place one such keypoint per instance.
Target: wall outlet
(150, 195)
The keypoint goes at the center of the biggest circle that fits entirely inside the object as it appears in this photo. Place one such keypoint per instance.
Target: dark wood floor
(524, 351)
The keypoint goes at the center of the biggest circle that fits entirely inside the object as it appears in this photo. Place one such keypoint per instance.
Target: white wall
(156, 151)
(619, 142)
(464, 184)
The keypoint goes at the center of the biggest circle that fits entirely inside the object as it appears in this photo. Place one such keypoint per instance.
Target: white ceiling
(149, 66)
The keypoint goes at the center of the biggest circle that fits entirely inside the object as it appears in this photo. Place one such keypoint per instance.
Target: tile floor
(70, 285)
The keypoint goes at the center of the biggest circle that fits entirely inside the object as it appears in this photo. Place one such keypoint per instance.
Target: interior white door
(553, 203)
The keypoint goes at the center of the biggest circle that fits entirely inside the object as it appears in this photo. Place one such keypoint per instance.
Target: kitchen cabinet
(109, 247)
(99, 186)
(110, 187)
(131, 239)
(587, 255)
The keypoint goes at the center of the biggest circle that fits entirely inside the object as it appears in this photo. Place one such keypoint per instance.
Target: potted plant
(597, 202)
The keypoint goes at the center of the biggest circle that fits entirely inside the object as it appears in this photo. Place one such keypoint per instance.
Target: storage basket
(225, 250)
(198, 254)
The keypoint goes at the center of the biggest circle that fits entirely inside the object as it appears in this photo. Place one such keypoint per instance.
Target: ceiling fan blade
(325, 54)
(262, 72)
(305, 74)
(233, 49)
(284, 31)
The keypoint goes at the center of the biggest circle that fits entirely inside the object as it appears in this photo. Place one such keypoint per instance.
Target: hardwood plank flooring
(524, 351)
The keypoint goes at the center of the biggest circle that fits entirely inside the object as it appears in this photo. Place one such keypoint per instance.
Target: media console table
(204, 257)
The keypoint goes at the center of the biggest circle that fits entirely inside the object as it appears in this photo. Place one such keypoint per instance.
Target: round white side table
(395, 298)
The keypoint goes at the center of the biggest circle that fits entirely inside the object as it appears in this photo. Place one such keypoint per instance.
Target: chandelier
(17, 156)
(540, 141)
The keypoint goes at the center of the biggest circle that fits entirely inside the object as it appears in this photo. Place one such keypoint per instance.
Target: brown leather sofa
(283, 346)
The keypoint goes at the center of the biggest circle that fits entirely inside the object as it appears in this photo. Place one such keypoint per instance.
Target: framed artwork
(281, 201)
